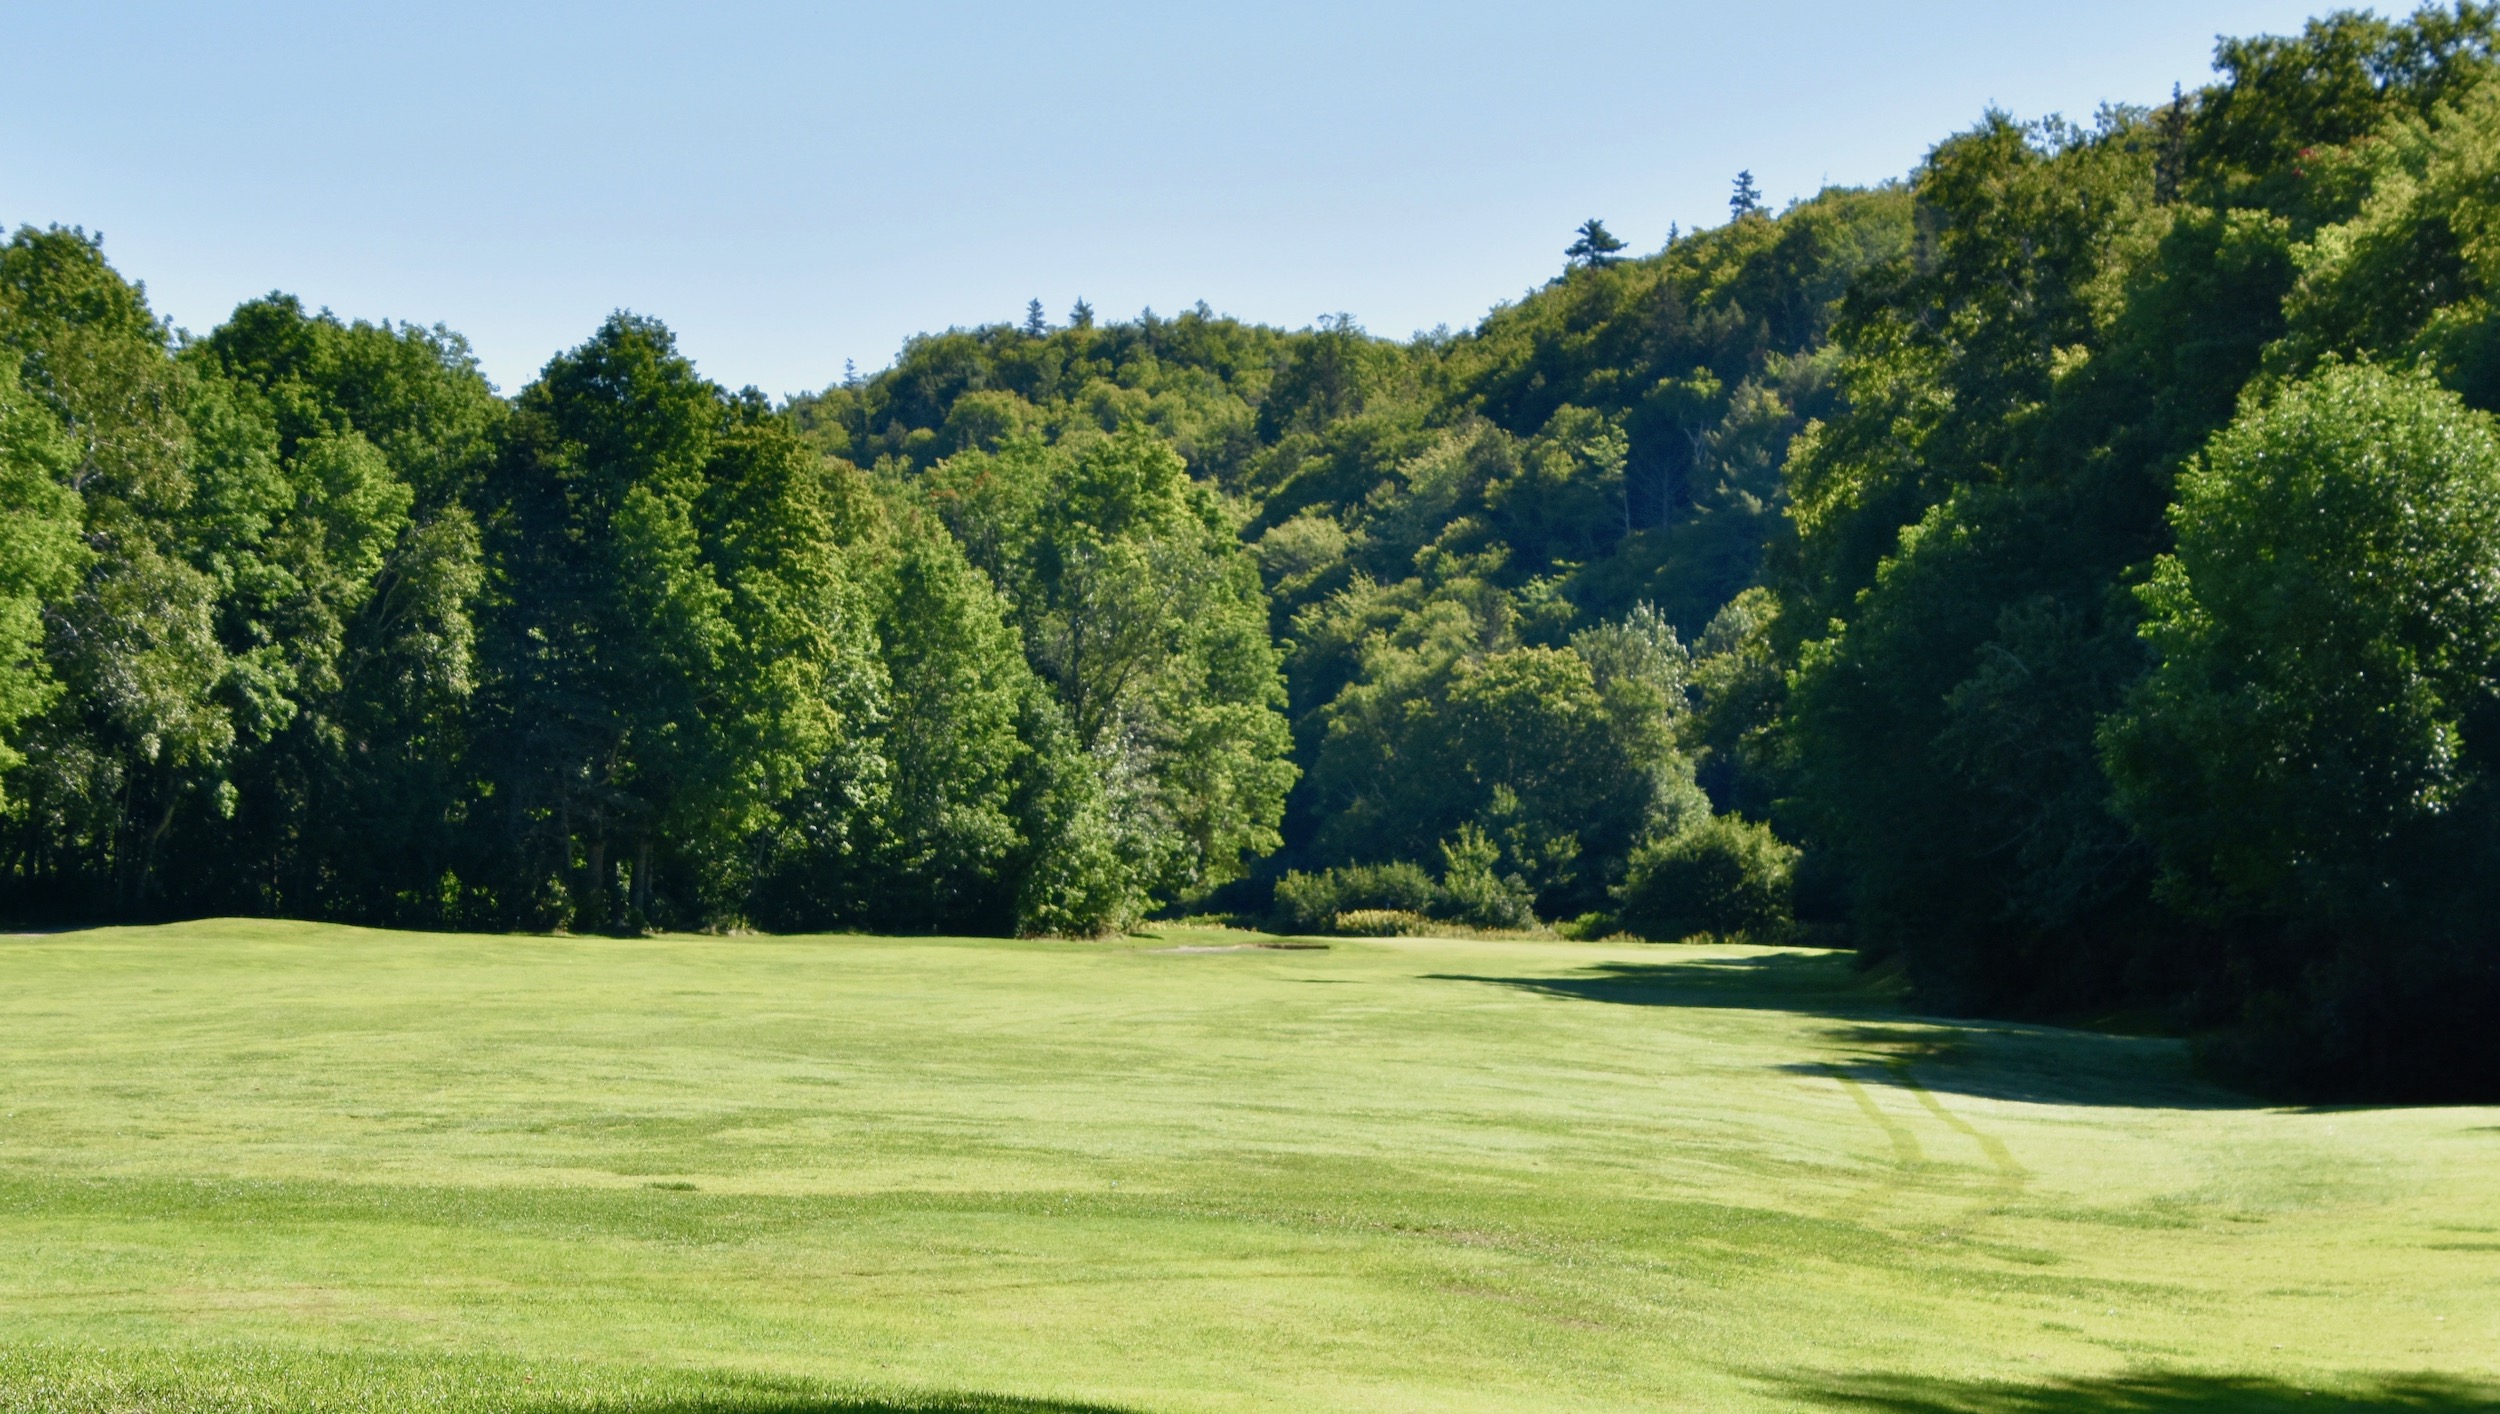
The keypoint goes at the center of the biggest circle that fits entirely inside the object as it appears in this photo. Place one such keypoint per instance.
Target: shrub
(1724, 875)
(1310, 903)
(1472, 893)
(1381, 923)
(1401, 898)
(1590, 928)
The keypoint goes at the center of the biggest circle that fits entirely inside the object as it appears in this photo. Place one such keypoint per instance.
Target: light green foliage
(267, 1166)
(1474, 891)
(1639, 665)
(2414, 274)
(1296, 554)
(2327, 632)
(1084, 879)
(1196, 380)
(1416, 511)
(1387, 923)
(1142, 610)
(138, 732)
(42, 555)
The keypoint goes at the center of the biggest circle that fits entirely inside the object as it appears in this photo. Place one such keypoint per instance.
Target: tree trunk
(594, 912)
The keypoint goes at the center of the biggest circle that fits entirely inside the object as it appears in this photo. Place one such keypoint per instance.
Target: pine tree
(1596, 245)
(1035, 326)
(2170, 147)
(1747, 199)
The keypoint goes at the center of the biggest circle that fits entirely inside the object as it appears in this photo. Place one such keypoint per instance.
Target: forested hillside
(1482, 554)
(2070, 574)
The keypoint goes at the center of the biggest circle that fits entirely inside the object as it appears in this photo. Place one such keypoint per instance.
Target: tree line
(304, 619)
(2066, 575)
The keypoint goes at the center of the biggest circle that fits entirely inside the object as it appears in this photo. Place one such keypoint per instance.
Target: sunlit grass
(277, 1166)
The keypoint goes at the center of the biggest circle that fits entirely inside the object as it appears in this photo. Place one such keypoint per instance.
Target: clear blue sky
(792, 185)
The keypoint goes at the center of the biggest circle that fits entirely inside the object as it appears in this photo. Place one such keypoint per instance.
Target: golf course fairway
(250, 1165)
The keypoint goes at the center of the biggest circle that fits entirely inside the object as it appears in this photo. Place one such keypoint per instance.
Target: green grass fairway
(261, 1166)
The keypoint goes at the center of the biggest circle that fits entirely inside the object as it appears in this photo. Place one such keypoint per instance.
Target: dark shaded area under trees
(2068, 572)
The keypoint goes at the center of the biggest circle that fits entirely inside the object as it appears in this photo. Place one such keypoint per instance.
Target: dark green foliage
(413, 393)
(963, 803)
(355, 806)
(727, 678)
(1738, 686)
(1596, 245)
(672, 643)
(2286, 100)
(328, 628)
(626, 652)
(1521, 745)
(2312, 755)
(2016, 408)
(1723, 875)
(933, 837)
(2086, 309)
(1746, 198)
(2324, 635)
(255, 589)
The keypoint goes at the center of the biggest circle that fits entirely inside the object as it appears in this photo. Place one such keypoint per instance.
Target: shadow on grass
(2141, 1394)
(1879, 1044)
(2041, 1065)
(1816, 982)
